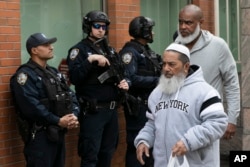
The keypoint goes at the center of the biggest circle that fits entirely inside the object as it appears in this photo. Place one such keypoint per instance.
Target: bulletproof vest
(59, 99)
(154, 64)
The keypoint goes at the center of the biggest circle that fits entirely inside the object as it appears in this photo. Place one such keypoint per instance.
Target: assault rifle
(117, 69)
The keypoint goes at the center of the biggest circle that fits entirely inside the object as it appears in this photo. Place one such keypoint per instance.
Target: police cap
(37, 39)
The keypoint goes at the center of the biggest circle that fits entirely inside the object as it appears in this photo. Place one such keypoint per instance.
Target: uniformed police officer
(45, 105)
(90, 70)
(143, 66)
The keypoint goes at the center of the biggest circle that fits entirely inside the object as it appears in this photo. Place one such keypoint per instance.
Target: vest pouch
(133, 105)
(54, 133)
(24, 129)
(63, 105)
(91, 106)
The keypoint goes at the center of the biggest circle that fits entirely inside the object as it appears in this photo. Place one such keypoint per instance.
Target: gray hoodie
(214, 56)
(194, 115)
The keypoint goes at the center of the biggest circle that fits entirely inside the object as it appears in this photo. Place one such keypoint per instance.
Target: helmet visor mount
(146, 33)
(142, 27)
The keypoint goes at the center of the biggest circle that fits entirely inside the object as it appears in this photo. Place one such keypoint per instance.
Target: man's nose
(165, 69)
(51, 47)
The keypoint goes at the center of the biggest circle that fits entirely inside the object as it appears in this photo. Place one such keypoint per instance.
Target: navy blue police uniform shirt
(29, 90)
(84, 75)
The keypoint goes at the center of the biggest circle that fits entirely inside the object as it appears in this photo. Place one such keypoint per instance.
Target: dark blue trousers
(41, 152)
(98, 138)
(133, 125)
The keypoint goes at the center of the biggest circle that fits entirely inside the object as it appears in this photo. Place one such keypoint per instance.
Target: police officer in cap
(143, 66)
(97, 91)
(45, 105)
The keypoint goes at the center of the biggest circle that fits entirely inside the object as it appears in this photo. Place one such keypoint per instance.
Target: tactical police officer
(45, 105)
(143, 66)
(92, 69)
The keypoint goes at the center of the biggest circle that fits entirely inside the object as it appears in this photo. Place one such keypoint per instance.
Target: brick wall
(10, 143)
(120, 14)
(207, 7)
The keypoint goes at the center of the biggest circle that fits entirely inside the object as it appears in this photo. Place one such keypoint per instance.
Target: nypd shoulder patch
(22, 78)
(74, 53)
(126, 58)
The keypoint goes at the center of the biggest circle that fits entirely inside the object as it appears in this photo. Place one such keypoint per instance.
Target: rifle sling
(107, 74)
(146, 54)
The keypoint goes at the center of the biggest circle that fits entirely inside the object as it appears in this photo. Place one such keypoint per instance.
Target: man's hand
(100, 59)
(230, 132)
(179, 149)
(68, 121)
(73, 122)
(123, 85)
(142, 150)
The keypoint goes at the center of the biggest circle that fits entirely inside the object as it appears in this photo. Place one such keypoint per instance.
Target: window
(54, 18)
(165, 14)
(229, 25)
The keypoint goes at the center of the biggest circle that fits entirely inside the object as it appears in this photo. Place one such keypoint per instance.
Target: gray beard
(171, 85)
(190, 38)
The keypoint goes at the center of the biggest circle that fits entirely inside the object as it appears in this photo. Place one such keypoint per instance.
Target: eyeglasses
(98, 26)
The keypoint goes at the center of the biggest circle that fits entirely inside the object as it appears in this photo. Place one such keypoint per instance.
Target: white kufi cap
(179, 48)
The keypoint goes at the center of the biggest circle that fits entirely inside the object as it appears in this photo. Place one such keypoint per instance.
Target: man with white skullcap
(185, 115)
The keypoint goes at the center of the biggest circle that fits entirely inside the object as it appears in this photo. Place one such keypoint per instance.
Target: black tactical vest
(59, 99)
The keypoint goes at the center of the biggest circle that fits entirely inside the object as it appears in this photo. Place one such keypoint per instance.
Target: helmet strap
(91, 37)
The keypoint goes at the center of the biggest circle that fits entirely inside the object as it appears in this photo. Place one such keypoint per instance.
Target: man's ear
(33, 50)
(201, 21)
(186, 67)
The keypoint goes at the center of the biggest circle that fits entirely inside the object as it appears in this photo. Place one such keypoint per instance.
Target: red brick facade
(120, 13)
(10, 143)
(207, 7)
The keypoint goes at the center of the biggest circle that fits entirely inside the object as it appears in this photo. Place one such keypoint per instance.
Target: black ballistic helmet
(141, 27)
(94, 16)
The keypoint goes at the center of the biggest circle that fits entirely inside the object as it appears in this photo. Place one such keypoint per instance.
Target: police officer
(143, 66)
(45, 105)
(97, 89)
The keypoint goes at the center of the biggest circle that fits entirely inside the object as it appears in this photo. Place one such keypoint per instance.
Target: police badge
(22, 78)
(74, 53)
(126, 58)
